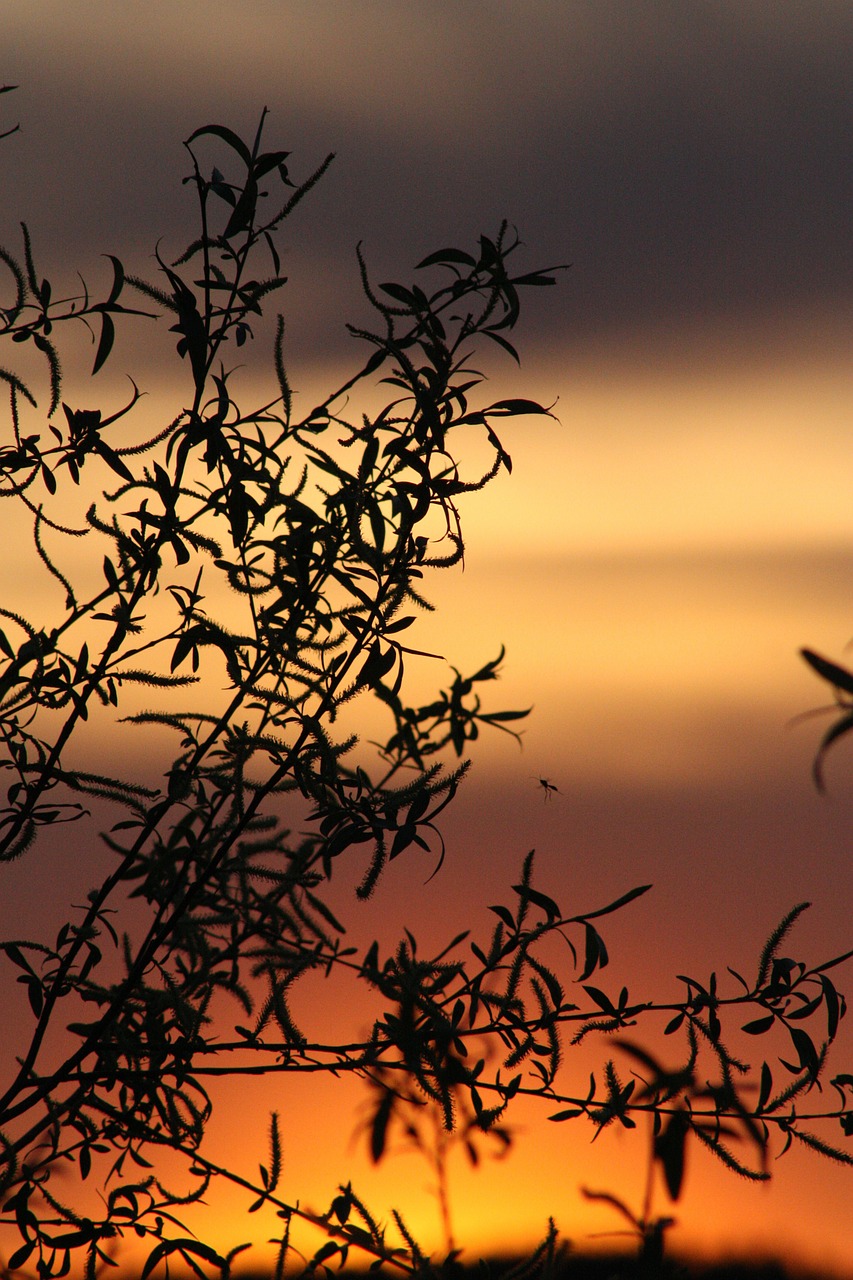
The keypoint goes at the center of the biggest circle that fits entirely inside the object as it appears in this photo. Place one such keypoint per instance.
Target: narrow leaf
(105, 346)
(227, 135)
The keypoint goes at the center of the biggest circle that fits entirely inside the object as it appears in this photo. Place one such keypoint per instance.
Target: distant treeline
(604, 1267)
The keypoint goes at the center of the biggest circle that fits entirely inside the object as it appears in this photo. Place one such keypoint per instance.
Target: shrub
(322, 528)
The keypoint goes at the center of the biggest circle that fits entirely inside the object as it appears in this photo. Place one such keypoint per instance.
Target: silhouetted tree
(324, 529)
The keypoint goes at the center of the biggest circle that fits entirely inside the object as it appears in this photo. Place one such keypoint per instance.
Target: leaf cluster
(319, 530)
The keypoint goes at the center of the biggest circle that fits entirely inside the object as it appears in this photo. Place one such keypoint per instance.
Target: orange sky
(657, 557)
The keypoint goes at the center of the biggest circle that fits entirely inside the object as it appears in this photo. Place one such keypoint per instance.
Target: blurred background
(660, 552)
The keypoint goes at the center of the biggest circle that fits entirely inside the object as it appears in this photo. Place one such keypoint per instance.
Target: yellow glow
(738, 458)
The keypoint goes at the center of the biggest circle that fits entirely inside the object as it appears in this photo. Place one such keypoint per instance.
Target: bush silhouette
(323, 529)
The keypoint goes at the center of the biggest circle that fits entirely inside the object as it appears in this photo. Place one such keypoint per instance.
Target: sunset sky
(662, 549)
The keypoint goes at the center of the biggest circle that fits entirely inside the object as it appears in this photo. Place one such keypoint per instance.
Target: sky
(662, 549)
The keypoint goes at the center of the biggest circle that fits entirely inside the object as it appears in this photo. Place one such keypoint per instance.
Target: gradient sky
(658, 555)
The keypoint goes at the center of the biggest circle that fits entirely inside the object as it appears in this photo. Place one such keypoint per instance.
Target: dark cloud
(690, 160)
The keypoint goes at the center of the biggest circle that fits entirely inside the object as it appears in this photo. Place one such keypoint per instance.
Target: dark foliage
(181, 964)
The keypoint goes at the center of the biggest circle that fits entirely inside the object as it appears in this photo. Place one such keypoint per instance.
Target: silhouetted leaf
(186, 1249)
(595, 952)
(605, 1197)
(836, 731)
(377, 665)
(805, 1048)
(379, 1127)
(833, 1007)
(112, 459)
(400, 294)
(669, 1149)
(227, 135)
(513, 408)
(22, 1254)
(243, 214)
(837, 676)
(614, 906)
(535, 278)
(758, 1026)
(447, 257)
(105, 345)
(601, 999)
(502, 342)
(503, 914)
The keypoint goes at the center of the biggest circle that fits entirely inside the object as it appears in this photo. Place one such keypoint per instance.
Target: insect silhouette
(548, 787)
